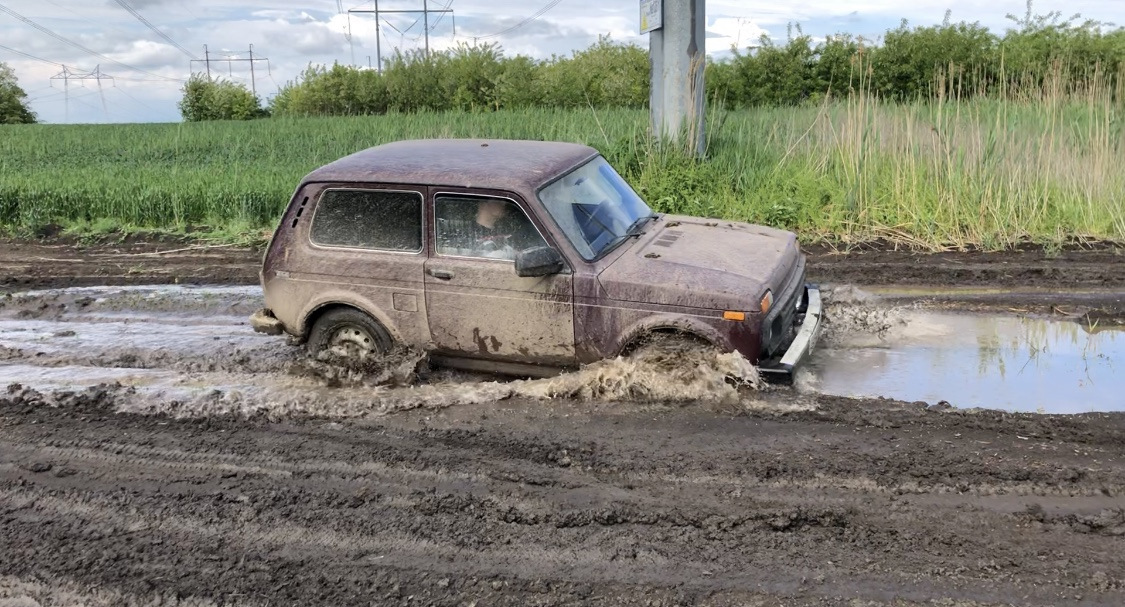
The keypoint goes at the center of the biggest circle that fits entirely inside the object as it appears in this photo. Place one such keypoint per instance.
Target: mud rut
(227, 470)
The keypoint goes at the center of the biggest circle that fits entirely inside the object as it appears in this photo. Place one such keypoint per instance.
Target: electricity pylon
(67, 74)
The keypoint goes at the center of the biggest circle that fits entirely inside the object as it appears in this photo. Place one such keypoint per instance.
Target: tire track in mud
(781, 498)
(452, 509)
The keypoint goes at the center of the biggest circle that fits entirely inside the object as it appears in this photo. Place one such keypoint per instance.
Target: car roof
(469, 163)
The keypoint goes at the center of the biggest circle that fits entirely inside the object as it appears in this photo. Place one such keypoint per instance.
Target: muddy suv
(521, 257)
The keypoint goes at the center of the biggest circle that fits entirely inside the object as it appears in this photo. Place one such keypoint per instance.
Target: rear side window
(369, 219)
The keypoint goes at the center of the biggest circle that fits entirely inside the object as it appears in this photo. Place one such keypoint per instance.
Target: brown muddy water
(189, 351)
(970, 360)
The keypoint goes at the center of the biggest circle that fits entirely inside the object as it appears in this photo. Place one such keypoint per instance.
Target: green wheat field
(932, 174)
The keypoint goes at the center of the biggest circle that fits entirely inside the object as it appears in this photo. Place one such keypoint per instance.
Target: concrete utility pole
(253, 81)
(677, 52)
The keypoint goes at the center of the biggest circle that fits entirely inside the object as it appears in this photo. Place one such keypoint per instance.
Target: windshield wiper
(640, 221)
(632, 232)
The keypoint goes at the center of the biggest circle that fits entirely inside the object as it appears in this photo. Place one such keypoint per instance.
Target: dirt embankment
(60, 263)
(1030, 268)
(528, 502)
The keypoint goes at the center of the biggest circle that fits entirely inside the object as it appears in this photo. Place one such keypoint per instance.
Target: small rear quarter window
(369, 219)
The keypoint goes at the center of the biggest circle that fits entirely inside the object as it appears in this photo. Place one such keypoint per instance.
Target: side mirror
(539, 261)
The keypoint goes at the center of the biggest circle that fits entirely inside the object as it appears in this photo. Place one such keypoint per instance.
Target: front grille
(777, 327)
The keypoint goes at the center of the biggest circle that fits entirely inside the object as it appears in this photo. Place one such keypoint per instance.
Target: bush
(339, 91)
(1041, 45)
(13, 100)
(207, 99)
(473, 78)
(912, 63)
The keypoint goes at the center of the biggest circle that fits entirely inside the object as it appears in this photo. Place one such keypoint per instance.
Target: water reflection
(999, 362)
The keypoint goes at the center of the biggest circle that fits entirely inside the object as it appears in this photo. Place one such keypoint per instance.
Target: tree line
(950, 59)
(13, 100)
(1035, 54)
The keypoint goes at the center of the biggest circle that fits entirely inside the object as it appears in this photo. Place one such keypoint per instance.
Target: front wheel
(348, 334)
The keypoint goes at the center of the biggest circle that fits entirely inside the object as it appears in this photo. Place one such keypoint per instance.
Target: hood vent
(667, 238)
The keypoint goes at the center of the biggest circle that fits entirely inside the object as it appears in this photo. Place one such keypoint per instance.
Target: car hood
(702, 263)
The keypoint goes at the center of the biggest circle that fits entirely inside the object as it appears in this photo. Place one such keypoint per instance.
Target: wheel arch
(669, 325)
(319, 310)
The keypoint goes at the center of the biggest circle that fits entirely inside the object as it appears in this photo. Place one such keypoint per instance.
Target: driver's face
(492, 210)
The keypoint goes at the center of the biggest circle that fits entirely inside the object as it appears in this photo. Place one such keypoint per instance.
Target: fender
(692, 325)
(345, 298)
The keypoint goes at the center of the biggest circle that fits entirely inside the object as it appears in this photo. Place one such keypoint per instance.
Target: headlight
(767, 301)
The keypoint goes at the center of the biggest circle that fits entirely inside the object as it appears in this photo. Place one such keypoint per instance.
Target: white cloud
(294, 33)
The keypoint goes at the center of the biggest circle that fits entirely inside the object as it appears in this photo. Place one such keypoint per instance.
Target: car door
(365, 249)
(476, 304)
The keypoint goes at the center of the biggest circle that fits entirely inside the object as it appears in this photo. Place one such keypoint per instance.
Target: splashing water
(652, 374)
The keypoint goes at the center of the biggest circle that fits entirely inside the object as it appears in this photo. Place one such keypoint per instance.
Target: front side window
(369, 219)
(490, 228)
(594, 207)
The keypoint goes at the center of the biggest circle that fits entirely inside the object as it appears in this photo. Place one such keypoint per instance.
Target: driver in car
(497, 232)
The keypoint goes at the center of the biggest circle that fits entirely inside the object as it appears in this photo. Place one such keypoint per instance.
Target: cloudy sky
(148, 69)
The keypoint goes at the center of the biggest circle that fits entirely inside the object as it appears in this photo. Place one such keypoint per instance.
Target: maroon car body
(350, 241)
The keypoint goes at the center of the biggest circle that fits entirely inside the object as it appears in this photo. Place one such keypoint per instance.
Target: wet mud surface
(155, 451)
(1031, 268)
(530, 502)
(63, 263)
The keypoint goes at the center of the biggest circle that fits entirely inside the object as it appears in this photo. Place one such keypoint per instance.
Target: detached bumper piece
(780, 370)
(264, 321)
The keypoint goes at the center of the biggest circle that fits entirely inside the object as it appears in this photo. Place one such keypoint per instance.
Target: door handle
(441, 274)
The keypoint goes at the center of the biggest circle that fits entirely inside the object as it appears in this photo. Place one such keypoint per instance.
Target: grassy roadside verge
(963, 174)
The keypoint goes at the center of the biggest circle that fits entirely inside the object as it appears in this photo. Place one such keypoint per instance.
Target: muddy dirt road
(62, 263)
(153, 451)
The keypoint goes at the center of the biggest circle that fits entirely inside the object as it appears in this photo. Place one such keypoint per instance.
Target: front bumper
(782, 368)
(264, 321)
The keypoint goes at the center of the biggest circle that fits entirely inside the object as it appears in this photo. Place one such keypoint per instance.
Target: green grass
(980, 173)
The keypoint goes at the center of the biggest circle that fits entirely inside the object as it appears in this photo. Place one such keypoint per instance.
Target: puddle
(970, 360)
(189, 351)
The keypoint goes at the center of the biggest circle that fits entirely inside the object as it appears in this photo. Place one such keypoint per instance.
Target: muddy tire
(348, 334)
(668, 343)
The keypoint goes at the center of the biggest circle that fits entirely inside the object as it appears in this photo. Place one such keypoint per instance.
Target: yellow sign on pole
(652, 15)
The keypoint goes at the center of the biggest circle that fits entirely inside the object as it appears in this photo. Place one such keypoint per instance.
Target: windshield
(594, 207)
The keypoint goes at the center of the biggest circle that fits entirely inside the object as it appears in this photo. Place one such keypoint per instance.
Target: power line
(425, 15)
(132, 11)
(10, 50)
(543, 11)
(442, 16)
(79, 46)
(104, 109)
(42, 97)
(135, 100)
(128, 79)
(231, 59)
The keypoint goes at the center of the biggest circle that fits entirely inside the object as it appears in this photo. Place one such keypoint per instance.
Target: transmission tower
(426, 11)
(67, 74)
(232, 58)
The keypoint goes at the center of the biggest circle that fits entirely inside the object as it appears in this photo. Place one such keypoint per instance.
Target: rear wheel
(348, 334)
